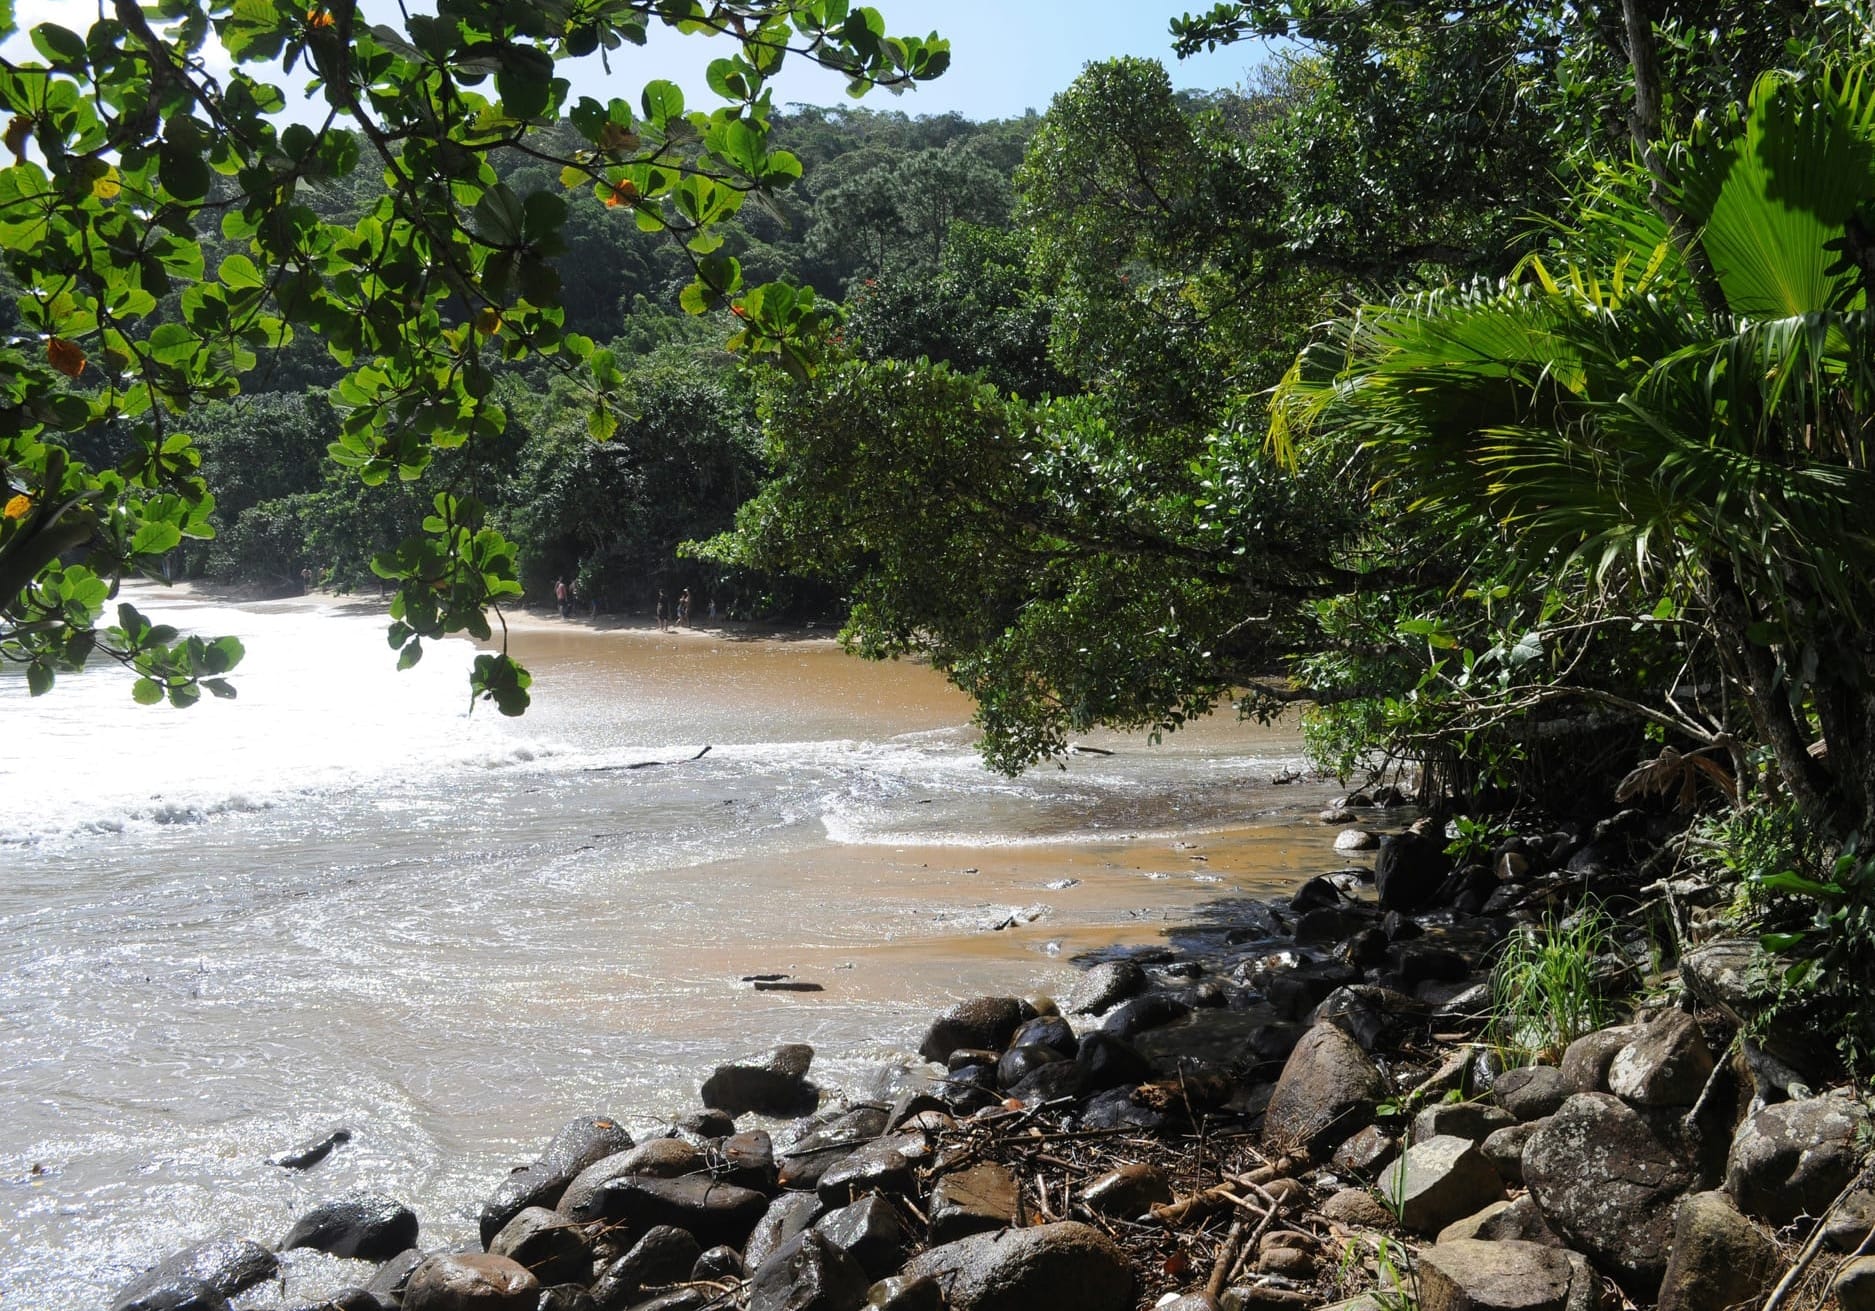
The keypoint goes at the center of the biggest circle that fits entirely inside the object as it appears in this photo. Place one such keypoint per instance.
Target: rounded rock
(367, 1226)
(1066, 1266)
(985, 1022)
(1792, 1159)
(1105, 986)
(1327, 1091)
(471, 1282)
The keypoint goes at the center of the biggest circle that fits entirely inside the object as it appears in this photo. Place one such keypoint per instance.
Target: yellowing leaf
(107, 186)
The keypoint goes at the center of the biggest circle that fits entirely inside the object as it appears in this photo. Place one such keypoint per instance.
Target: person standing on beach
(683, 607)
(560, 595)
(660, 609)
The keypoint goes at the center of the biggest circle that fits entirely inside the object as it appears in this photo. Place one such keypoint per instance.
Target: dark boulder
(553, 1248)
(1050, 1082)
(1472, 1121)
(717, 1265)
(577, 1145)
(1327, 1091)
(870, 1232)
(1367, 1152)
(902, 1294)
(879, 1166)
(1107, 1062)
(1520, 1219)
(1719, 1258)
(710, 1124)
(1129, 1191)
(1046, 1031)
(986, 1022)
(1116, 1109)
(391, 1277)
(367, 1226)
(1055, 1267)
(1469, 1275)
(664, 1255)
(176, 1295)
(713, 1212)
(777, 1086)
(808, 1273)
(1505, 1147)
(1441, 1180)
(788, 1215)
(1018, 1062)
(1141, 1013)
(1792, 1159)
(967, 1088)
(1586, 1060)
(1409, 870)
(803, 1161)
(977, 1199)
(1666, 1064)
(471, 1282)
(748, 1160)
(666, 1158)
(1531, 1092)
(1104, 986)
(225, 1266)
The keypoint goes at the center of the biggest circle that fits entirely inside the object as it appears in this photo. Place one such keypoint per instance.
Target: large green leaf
(1771, 202)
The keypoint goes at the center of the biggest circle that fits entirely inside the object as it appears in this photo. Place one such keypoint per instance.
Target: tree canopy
(165, 228)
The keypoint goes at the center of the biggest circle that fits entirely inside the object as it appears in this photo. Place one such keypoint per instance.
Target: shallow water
(342, 899)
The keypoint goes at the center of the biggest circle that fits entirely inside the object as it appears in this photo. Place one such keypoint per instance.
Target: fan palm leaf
(1600, 406)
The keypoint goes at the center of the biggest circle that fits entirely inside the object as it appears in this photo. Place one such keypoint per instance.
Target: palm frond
(1770, 202)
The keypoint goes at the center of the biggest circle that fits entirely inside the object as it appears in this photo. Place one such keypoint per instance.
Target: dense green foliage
(165, 230)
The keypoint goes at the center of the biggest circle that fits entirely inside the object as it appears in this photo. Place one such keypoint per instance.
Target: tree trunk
(1846, 706)
(1767, 698)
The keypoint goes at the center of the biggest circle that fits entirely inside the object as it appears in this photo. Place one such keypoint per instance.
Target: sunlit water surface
(344, 900)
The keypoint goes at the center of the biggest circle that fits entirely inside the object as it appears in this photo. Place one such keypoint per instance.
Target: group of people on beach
(667, 619)
(568, 595)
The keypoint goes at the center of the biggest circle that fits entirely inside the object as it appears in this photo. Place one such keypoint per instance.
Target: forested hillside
(881, 196)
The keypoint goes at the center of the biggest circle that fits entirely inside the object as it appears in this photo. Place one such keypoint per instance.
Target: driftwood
(304, 1158)
(646, 764)
(1798, 1268)
(1219, 1196)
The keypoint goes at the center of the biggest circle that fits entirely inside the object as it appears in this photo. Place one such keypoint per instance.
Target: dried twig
(1794, 1275)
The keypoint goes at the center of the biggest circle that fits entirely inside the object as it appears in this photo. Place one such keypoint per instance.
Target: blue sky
(1007, 55)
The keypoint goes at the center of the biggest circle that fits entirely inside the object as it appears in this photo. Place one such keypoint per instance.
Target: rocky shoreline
(1294, 1105)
